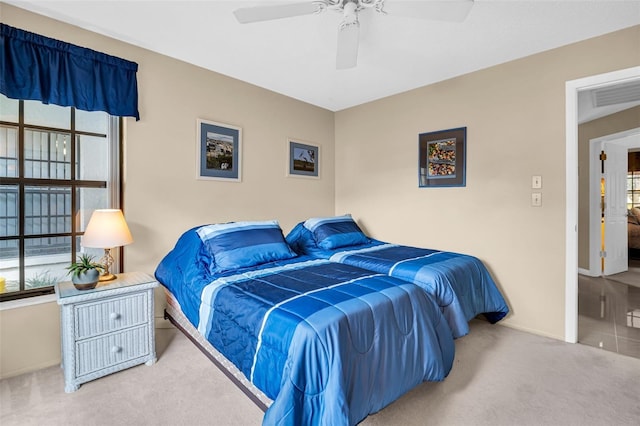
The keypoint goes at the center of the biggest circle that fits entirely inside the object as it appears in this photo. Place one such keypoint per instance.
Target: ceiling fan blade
(347, 56)
(437, 10)
(266, 13)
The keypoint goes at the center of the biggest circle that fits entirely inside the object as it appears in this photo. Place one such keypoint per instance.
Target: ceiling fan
(348, 30)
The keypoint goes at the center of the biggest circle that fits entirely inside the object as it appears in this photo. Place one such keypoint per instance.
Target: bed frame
(173, 313)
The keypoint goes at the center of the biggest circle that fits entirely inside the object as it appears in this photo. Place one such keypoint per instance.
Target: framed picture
(218, 148)
(304, 159)
(442, 158)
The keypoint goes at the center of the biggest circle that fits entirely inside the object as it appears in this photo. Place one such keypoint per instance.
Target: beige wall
(609, 125)
(162, 197)
(29, 338)
(515, 119)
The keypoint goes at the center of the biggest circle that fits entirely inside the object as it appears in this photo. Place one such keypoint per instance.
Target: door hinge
(603, 254)
(603, 158)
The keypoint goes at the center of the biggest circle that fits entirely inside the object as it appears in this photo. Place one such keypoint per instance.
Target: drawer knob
(114, 315)
(115, 349)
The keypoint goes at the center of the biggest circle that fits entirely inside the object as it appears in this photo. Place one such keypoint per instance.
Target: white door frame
(571, 192)
(629, 138)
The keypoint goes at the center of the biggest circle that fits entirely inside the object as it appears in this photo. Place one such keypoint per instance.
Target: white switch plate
(536, 182)
(536, 199)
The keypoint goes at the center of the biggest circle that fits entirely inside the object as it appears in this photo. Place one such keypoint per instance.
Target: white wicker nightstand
(106, 329)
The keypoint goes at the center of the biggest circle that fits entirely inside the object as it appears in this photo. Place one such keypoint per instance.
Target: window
(633, 180)
(633, 189)
(57, 165)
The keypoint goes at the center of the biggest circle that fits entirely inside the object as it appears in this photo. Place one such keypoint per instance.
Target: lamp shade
(106, 229)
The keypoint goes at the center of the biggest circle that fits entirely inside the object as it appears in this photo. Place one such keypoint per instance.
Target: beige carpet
(500, 377)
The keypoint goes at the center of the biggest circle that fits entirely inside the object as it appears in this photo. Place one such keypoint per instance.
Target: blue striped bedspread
(329, 343)
(461, 284)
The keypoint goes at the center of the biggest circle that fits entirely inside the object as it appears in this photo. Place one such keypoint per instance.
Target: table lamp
(106, 229)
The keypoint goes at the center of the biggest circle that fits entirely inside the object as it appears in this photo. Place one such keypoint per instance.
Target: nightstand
(106, 329)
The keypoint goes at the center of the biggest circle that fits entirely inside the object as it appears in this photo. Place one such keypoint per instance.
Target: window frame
(632, 190)
(113, 184)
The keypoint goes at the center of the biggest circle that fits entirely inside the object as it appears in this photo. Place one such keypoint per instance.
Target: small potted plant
(85, 273)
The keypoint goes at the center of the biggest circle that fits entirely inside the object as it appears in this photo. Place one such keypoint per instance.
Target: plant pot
(86, 280)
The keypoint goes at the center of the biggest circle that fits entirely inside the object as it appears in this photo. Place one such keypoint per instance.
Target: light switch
(536, 182)
(536, 199)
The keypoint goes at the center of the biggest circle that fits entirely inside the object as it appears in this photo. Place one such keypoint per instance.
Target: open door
(615, 208)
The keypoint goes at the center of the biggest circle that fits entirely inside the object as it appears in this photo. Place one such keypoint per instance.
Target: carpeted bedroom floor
(500, 376)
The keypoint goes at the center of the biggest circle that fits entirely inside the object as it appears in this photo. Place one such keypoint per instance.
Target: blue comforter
(460, 284)
(329, 343)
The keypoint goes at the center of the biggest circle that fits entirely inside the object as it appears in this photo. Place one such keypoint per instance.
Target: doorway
(571, 211)
(609, 290)
(609, 239)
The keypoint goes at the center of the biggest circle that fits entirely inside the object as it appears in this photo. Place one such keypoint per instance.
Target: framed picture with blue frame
(218, 148)
(304, 159)
(442, 158)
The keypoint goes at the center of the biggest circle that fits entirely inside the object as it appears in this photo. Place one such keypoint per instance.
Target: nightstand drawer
(107, 351)
(95, 318)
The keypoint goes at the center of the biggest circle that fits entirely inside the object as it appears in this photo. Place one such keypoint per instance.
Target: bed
(322, 342)
(461, 284)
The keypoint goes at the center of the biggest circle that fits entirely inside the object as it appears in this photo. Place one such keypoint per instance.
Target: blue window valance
(40, 68)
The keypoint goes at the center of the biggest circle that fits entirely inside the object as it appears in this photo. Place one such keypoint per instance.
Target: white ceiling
(296, 56)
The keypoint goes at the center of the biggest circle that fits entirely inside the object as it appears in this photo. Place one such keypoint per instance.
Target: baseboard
(30, 369)
(517, 327)
(587, 273)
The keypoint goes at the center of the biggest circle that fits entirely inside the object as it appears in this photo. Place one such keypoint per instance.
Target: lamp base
(107, 277)
(106, 261)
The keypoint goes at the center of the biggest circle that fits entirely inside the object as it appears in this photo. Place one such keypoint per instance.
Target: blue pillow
(241, 244)
(335, 232)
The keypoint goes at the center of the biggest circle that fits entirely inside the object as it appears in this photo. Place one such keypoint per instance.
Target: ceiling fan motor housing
(350, 8)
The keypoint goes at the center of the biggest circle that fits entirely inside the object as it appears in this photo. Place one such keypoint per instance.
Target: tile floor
(603, 305)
